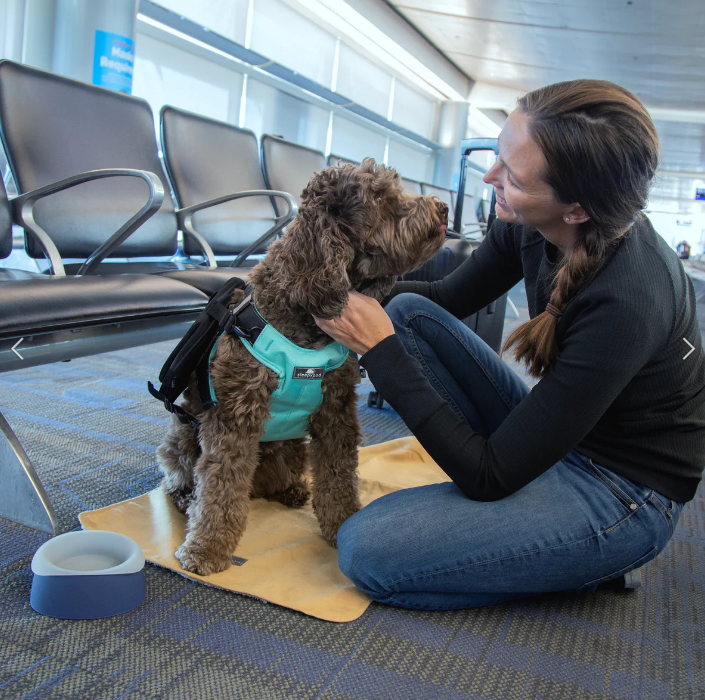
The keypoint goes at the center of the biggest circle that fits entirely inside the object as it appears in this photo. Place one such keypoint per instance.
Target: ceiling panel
(653, 47)
(664, 68)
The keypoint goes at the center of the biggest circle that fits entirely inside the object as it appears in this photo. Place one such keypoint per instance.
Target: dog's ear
(318, 243)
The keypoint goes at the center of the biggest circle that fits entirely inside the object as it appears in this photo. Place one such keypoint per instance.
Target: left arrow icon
(15, 351)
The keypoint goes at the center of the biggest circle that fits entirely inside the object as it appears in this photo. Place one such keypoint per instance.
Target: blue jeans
(432, 548)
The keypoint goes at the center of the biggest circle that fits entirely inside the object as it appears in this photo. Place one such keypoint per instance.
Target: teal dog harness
(300, 372)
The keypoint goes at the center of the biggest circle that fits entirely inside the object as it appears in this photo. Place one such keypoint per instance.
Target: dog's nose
(442, 210)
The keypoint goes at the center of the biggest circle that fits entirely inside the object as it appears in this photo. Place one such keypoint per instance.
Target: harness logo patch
(308, 373)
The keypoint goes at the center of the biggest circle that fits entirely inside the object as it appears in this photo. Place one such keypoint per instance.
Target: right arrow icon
(692, 348)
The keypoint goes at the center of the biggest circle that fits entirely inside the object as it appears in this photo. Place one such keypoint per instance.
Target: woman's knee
(404, 305)
(358, 557)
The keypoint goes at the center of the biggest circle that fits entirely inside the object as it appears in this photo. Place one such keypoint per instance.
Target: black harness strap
(193, 351)
(250, 323)
(244, 321)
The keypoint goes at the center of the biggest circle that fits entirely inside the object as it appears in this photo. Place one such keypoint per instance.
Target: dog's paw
(199, 561)
(329, 528)
(181, 498)
(296, 496)
(330, 535)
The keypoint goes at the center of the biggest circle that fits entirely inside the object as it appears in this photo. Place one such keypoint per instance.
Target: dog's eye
(378, 200)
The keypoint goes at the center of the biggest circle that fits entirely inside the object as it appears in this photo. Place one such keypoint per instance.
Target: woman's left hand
(362, 325)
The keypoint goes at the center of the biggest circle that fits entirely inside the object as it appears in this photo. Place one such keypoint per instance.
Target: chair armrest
(185, 215)
(23, 215)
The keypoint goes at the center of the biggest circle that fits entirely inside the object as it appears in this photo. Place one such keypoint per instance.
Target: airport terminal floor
(188, 640)
(205, 208)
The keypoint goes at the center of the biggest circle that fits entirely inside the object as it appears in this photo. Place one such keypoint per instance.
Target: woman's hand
(362, 325)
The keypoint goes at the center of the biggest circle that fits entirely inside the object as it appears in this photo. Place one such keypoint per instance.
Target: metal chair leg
(22, 496)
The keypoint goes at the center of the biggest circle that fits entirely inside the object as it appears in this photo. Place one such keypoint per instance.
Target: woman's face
(522, 195)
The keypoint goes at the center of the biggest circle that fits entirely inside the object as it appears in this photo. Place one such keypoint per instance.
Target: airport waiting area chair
(217, 163)
(47, 318)
(470, 224)
(411, 186)
(53, 127)
(288, 166)
(339, 161)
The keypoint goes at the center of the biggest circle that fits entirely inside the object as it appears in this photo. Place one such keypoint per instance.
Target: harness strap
(184, 416)
(243, 321)
(219, 312)
(248, 322)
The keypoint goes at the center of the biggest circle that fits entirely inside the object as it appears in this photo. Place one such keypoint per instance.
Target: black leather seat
(48, 303)
(58, 317)
(209, 160)
(52, 128)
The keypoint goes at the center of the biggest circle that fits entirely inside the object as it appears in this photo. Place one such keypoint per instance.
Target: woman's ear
(575, 214)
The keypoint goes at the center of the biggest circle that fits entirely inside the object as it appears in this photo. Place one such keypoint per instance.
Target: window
(167, 75)
(354, 141)
(287, 37)
(271, 111)
(413, 163)
(413, 111)
(362, 81)
(229, 18)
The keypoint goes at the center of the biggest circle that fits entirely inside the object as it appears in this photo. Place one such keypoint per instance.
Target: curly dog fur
(356, 229)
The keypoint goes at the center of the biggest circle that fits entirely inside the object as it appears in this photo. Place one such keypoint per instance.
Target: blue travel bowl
(86, 575)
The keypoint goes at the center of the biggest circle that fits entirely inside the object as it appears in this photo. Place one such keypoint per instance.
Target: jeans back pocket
(671, 510)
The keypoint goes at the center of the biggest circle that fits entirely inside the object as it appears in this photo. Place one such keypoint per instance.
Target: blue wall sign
(113, 61)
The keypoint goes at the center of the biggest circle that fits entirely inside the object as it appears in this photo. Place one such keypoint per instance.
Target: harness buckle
(234, 328)
(246, 300)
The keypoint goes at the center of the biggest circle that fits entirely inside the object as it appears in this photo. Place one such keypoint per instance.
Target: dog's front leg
(178, 454)
(223, 480)
(177, 457)
(335, 436)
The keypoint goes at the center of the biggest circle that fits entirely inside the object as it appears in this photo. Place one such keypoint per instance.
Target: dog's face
(394, 232)
(363, 230)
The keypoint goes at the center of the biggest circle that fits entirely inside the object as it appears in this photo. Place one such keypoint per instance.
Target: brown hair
(601, 149)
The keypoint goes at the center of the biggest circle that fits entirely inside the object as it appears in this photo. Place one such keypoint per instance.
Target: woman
(583, 478)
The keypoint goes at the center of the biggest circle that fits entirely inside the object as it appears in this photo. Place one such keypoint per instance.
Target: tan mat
(286, 560)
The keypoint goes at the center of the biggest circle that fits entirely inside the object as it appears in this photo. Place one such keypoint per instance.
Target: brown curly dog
(356, 230)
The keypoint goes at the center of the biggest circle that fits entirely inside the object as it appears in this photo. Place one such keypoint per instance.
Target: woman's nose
(489, 177)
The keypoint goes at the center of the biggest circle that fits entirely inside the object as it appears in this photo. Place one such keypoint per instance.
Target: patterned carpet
(91, 430)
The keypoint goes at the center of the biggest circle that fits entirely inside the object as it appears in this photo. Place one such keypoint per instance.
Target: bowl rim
(134, 562)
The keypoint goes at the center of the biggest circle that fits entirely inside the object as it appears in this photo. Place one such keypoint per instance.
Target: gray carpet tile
(91, 430)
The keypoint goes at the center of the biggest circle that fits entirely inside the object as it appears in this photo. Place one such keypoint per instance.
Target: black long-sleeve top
(619, 390)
